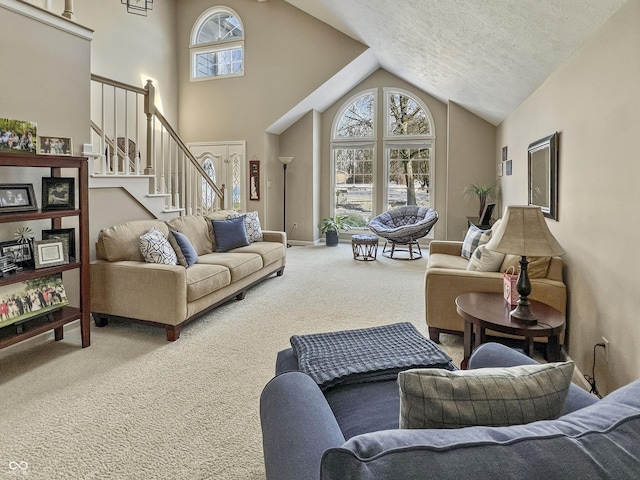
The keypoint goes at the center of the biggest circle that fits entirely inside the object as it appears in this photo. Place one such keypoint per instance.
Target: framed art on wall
(254, 179)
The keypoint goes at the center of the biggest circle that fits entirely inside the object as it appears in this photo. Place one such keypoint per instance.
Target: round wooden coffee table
(490, 311)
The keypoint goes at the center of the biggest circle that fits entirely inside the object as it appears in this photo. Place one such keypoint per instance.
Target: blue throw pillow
(185, 252)
(230, 234)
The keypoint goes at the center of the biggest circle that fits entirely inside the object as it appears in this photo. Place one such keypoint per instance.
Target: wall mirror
(543, 175)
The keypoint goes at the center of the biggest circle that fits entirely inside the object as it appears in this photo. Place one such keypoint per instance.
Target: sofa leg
(280, 272)
(173, 333)
(100, 321)
(241, 295)
(434, 334)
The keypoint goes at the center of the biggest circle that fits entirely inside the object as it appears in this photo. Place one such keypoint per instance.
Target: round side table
(489, 311)
(365, 247)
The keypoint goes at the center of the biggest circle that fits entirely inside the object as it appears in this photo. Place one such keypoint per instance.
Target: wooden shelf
(12, 334)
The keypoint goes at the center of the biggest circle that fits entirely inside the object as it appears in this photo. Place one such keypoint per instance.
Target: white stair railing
(134, 139)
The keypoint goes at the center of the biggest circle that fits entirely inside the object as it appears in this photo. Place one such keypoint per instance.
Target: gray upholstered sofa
(123, 285)
(352, 433)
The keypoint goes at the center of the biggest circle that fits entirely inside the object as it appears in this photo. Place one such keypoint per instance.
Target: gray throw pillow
(435, 398)
(473, 239)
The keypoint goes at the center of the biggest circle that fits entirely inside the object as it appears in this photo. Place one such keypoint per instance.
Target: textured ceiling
(485, 55)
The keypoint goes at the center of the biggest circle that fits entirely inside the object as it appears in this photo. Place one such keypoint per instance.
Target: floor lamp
(285, 161)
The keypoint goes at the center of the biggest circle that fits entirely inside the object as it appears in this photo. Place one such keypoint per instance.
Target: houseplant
(482, 192)
(331, 227)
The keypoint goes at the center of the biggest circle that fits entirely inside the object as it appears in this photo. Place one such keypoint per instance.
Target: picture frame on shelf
(55, 145)
(58, 193)
(19, 253)
(18, 136)
(40, 296)
(50, 253)
(17, 197)
(66, 234)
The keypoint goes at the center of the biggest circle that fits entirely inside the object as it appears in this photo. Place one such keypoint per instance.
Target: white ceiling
(485, 55)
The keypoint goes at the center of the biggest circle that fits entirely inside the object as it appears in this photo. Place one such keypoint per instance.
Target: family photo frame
(55, 145)
(18, 252)
(17, 197)
(58, 193)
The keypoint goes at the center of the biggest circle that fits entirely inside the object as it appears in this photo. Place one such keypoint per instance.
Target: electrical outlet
(606, 349)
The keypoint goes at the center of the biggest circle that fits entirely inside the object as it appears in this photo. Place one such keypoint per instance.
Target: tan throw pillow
(537, 268)
(196, 228)
(485, 260)
(437, 398)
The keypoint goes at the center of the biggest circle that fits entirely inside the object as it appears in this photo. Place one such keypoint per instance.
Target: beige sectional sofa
(447, 277)
(124, 285)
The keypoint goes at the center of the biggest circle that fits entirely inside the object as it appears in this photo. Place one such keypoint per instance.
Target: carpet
(134, 406)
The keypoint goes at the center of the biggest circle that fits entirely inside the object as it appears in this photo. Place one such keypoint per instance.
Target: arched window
(353, 157)
(217, 45)
(406, 153)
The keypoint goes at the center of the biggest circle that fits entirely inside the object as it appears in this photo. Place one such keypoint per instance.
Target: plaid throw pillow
(493, 397)
(474, 238)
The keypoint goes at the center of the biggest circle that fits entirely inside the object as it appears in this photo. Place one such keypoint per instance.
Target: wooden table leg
(468, 333)
(554, 354)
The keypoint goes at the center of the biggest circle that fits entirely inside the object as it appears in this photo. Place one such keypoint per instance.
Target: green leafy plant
(482, 192)
(335, 224)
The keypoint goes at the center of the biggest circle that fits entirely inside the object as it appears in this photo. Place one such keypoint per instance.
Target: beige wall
(288, 55)
(471, 148)
(593, 102)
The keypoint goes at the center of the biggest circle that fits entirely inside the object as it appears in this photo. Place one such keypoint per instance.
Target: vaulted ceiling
(486, 55)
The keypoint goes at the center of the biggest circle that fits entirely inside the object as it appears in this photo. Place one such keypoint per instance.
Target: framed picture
(18, 253)
(17, 197)
(49, 253)
(31, 298)
(18, 136)
(543, 175)
(508, 167)
(67, 235)
(254, 179)
(55, 146)
(58, 193)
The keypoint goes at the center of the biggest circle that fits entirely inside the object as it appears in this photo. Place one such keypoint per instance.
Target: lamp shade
(523, 231)
(285, 160)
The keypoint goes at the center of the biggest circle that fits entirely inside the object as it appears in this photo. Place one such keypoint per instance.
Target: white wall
(593, 102)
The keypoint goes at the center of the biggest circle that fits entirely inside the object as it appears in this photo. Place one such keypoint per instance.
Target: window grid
(218, 63)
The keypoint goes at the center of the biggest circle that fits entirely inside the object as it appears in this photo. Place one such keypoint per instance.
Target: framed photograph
(67, 235)
(58, 193)
(18, 253)
(543, 175)
(508, 167)
(18, 136)
(254, 179)
(31, 298)
(49, 253)
(17, 197)
(55, 145)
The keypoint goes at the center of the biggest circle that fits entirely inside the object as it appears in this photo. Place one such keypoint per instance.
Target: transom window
(406, 150)
(217, 45)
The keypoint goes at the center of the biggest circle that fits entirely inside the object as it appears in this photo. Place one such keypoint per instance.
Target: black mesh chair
(402, 227)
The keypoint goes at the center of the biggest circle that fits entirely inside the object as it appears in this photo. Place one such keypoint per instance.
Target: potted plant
(482, 192)
(331, 228)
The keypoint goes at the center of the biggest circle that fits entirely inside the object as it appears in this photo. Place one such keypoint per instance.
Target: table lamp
(523, 231)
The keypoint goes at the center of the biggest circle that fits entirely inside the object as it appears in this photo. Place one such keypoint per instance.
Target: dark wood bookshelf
(54, 320)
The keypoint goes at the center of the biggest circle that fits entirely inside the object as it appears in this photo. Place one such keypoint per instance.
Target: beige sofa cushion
(537, 267)
(122, 241)
(269, 251)
(196, 228)
(239, 264)
(204, 279)
(442, 260)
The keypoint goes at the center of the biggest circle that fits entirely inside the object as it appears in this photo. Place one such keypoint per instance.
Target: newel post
(150, 110)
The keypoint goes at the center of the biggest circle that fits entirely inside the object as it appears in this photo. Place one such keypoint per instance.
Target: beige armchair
(446, 278)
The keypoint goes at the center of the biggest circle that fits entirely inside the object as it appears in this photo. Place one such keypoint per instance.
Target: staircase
(135, 148)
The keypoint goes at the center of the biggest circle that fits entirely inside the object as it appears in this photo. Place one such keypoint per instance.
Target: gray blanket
(368, 354)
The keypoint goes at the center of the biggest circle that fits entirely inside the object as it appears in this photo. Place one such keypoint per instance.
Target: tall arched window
(406, 153)
(354, 158)
(217, 45)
